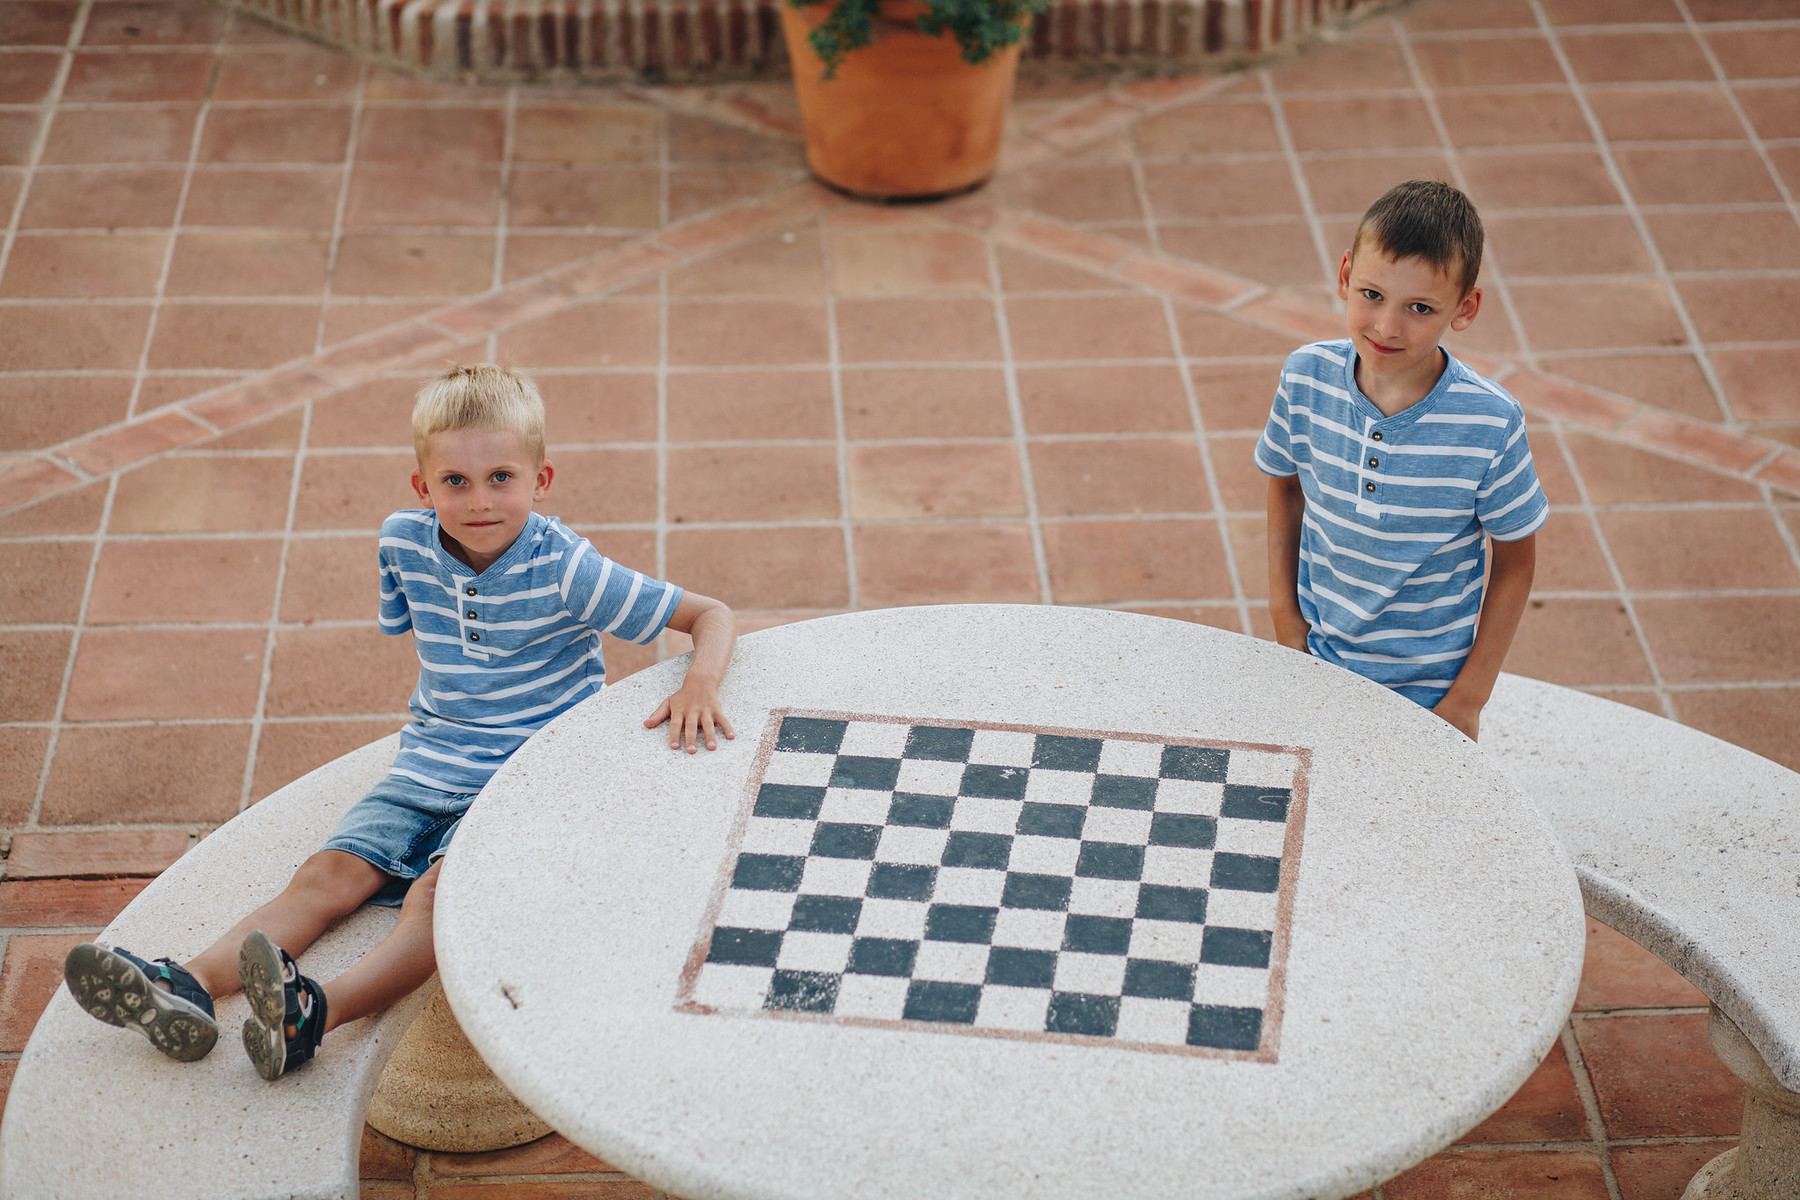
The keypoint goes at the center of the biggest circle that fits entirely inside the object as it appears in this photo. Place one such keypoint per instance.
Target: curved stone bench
(95, 1111)
(1690, 847)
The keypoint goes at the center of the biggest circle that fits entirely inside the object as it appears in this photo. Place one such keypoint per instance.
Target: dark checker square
(1235, 947)
(960, 923)
(1097, 935)
(768, 872)
(1255, 803)
(1181, 829)
(1052, 820)
(1200, 763)
(994, 783)
(1160, 902)
(1124, 791)
(1157, 980)
(745, 947)
(1074, 1012)
(923, 812)
(967, 849)
(855, 771)
(1110, 860)
(832, 840)
(825, 914)
(1036, 891)
(1021, 968)
(952, 1003)
(1246, 872)
(1224, 1028)
(1054, 752)
(803, 991)
(789, 800)
(811, 735)
(901, 881)
(881, 956)
(939, 744)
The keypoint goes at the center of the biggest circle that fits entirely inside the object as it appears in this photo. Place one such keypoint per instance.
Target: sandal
(280, 997)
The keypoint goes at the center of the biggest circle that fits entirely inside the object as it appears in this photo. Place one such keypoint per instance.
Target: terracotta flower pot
(904, 117)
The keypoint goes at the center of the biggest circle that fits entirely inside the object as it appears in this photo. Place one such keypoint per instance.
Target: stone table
(1010, 901)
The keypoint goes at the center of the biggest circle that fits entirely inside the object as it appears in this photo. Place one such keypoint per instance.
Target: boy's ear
(1465, 312)
(418, 486)
(546, 472)
(1344, 275)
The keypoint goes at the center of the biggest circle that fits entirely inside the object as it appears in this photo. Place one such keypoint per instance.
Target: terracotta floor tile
(545, 1190)
(384, 84)
(762, 568)
(1109, 562)
(73, 337)
(945, 564)
(1675, 551)
(765, 483)
(1619, 474)
(1553, 472)
(1657, 1076)
(1493, 1175)
(1569, 558)
(1471, 14)
(190, 495)
(530, 252)
(598, 408)
(617, 199)
(1763, 720)
(140, 135)
(1208, 335)
(55, 902)
(18, 135)
(1481, 62)
(1714, 639)
(906, 402)
(1546, 1108)
(1099, 327)
(1103, 400)
(1154, 475)
(1538, 179)
(920, 330)
(289, 749)
(290, 70)
(619, 333)
(1350, 185)
(1648, 114)
(730, 333)
(1723, 174)
(275, 135)
(1661, 1172)
(158, 674)
(435, 193)
(32, 973)
(147, 772)
(1272, 252)
(735, 405)
(586, 134)
(345, 670)
(37, 22)
(302, 198)
(1372, 123)
(899, 261)
(1756, 53)
(1671, 381)
(1632, 56)
(1512, 118)
(1209, 127)
(1743, 310)
(250, 263)
(692, 190)
(85, 264)
(790, 264)
(464, 135)
(29, 77)
(1589, 244)
(1579, 643)
(1235, 396)
(41, 582)
(1371, 63)
(1619, 973)
(696, 139)
(1253, 188)
(1101, 192)
(383, 1158)
(280, 432)
(1242, 487)
(377, 413)
(182, 579)
(354, 491)
(1774, 112)
(553, 1155)
(1611, 12)
(413, 264)
(1787, 163)
(21, 761)
(1631, 312)
(112, 77)
(188, 22)
(33, 660)
(248, 336)
(944, 479)
(330, 579)
(108, 197)
(40, 411)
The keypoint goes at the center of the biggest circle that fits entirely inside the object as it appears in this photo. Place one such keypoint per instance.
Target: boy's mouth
(1375, 345)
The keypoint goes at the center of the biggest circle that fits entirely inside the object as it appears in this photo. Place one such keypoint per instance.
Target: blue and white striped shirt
(1392, 558)
(503, 653)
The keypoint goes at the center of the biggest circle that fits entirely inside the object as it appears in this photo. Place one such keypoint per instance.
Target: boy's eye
(455, 480)
(502, 476)
(1420, 307)
(1371, 294)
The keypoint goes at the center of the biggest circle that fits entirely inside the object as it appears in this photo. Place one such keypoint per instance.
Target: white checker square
(1060, 787)
(951, 962)
(892, 919)
(1029, 928)
(1177, 866)
(985, 815)
(1238, 987)
(857, 806)
(875, 739)
(1044, 855)
(1166, 941)
(744, 909)
(777, 835)
(1119, 756)
(1128, 825)
(836, 876)
(873, 997)
(1018, 1008)
(1262, 768)
(1094, 974)
(1251, 837)
(1000, 748)
(929, 777)
(1190, 796)
(807, 770)
(804, 951)
(728, 985)
(1242, 910)
(1164, 1022)
(1103, 897)
(969, 885)
(909, 844)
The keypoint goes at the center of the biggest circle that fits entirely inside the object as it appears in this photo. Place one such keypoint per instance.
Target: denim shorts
(401, 827)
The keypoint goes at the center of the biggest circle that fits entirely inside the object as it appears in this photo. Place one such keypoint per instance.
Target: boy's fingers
(692, 725)
(658, 717)
(706, 723)
(725, 724)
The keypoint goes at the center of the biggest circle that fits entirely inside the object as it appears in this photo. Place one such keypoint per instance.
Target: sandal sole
(261, 976)
(114, 990)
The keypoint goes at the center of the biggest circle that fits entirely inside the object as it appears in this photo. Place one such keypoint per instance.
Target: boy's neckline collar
(1411, 412)
(534, 524)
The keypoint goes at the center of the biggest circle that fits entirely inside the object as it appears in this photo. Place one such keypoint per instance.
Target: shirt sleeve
(1510, 504)
(1274, 449)
(396, 613)
(615, 599)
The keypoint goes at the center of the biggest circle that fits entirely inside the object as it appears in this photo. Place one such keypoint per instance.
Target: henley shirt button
(471, 591)
(1374, 462)
(474, 637)
(1376, 435)
(471, 614)
(1367, 487)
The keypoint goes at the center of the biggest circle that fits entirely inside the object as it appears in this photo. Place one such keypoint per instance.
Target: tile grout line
(48, 107)
(660, 553)
(341, 207)
(509, 140)
(1590, 1108)
(1308, 209)
(840, 434)
(1209, 470)
(1015, 412)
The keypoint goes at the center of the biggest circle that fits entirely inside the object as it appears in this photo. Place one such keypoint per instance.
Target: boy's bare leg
(329, 885)
(395, 967)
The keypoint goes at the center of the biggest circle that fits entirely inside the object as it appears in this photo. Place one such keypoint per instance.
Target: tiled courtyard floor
(1045, 392)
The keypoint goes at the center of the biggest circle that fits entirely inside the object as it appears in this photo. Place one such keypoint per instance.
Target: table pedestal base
(1765, 1164)
(437, 1094)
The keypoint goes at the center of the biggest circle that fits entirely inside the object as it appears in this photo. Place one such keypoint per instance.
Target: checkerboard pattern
(1009, 881)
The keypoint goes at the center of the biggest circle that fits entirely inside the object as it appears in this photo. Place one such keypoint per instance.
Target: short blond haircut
(480, 396)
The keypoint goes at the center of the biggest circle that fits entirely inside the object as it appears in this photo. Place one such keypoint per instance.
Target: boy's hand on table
(1291, 629)
(1463, 714)
(692, 712)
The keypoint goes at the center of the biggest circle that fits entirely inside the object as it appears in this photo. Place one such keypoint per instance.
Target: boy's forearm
(1287, 506)
(715, 633)
(1508, 591)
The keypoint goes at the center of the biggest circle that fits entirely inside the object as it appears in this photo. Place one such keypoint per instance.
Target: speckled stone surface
(1688, 845)
(1435, 944)
(94, 1111)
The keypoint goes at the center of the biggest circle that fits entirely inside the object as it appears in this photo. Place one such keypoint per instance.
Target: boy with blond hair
(1394, 467)
(506, 608)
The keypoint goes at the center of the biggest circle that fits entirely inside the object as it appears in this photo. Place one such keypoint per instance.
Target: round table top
(996, 900)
